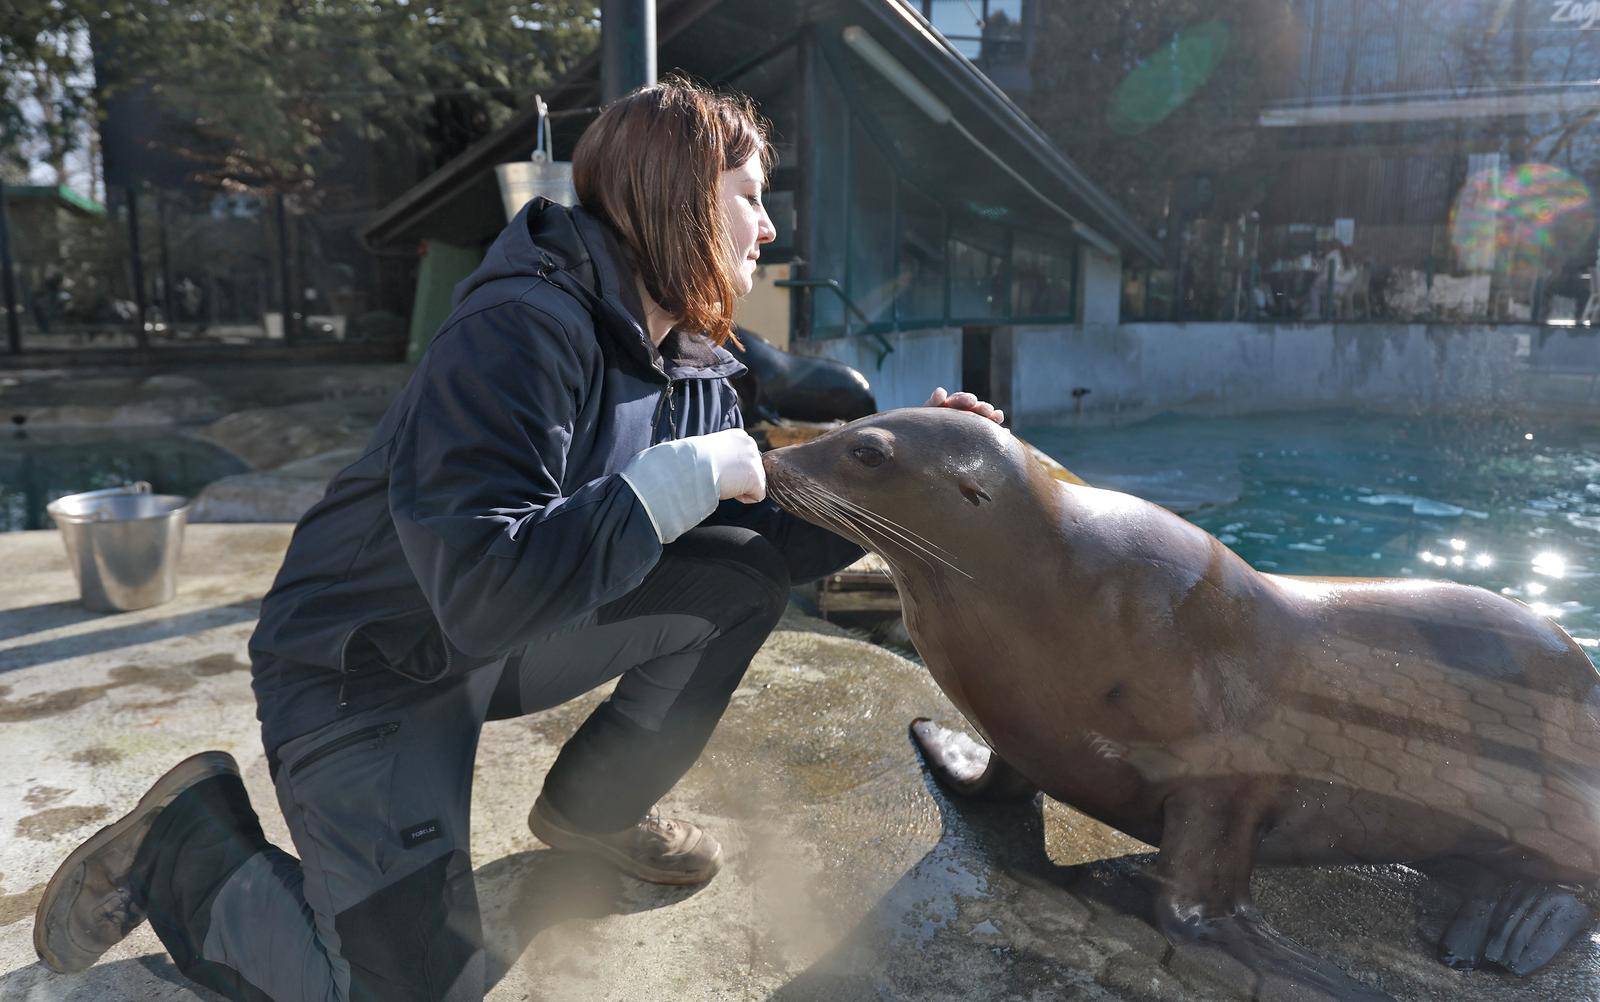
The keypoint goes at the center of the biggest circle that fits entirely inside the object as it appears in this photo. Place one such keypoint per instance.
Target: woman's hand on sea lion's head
(964, 401)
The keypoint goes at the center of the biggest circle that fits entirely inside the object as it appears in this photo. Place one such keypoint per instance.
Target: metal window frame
(824, 60)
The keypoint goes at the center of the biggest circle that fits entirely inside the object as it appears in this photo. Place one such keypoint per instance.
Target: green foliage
(1143, 92)
(267, 90)
(44, 86)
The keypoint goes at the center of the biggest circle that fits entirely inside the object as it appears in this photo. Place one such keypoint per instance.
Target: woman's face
(746, 217)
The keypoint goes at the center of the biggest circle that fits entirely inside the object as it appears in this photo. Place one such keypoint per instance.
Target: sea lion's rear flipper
(1519, 926)
(968, 767)
(1203, 904)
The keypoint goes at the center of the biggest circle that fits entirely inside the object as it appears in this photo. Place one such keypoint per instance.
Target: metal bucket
(541, 174)
(524, 180)
(123, 544)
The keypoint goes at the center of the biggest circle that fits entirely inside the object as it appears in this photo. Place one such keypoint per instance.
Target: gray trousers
(381, 903)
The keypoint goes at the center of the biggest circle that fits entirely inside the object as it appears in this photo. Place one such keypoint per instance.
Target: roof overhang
(460, 202)
(1433, 106)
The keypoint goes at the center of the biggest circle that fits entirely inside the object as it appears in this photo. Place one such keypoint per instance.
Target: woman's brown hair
(649, 166)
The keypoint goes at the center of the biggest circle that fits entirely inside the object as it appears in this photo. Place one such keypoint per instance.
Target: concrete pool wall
(1128, 372)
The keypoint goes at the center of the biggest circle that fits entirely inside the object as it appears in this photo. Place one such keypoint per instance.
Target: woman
(562, 494)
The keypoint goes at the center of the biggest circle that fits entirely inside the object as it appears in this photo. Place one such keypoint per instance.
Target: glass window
(961, 21)
(1002, 33)
(920, 261)
(830, 165)
(1043, 277)
(1374, 161)
(979, 279)
(872, 282)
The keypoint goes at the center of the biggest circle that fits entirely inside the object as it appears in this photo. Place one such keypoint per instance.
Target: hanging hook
(543, 146)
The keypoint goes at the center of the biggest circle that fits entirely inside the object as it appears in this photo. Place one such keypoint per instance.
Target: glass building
(1392, 160)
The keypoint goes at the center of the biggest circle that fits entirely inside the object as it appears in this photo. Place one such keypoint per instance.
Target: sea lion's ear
(972, 492)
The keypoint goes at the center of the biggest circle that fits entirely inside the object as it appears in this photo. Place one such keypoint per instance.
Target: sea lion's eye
(867, 455)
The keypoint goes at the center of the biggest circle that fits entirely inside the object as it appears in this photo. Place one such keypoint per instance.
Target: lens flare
(1167, 78)
(1519, 219)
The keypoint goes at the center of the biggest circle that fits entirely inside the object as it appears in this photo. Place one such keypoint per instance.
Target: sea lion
(780, 384)
(1130, 665)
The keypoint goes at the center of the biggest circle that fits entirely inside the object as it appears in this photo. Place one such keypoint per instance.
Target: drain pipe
(627, 46)
(8, 279)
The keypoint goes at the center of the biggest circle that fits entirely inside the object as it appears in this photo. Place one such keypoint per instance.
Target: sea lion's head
(904, 483)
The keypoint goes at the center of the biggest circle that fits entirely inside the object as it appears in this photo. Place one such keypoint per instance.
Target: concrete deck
(849, 875)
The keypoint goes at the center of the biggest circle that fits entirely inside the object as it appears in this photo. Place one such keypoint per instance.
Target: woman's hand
(736, 464)
(964, 401)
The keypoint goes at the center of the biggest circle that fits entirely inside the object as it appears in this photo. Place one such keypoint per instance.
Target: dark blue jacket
(487, 509)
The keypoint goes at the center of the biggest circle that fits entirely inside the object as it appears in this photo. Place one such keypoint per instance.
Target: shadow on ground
(121, 631)
(528, 891)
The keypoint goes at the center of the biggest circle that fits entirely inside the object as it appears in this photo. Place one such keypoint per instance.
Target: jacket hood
(579, 254)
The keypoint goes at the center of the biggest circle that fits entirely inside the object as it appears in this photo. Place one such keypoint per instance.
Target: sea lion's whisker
(863, 509)
(826, 506)
(867, 531)
(826, 509)
(860, 520)
(890, 525)
(881, 519)
(815, 504)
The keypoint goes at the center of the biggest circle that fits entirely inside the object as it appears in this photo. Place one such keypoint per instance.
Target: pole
(627, 46)
(285, 286)
(13, 322)
(166, 264)
(140, 335)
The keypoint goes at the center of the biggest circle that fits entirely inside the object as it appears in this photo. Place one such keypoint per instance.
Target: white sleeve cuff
(677, 484)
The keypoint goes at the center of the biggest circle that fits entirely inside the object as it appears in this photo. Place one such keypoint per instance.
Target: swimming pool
(1507, 503)
(37, 467)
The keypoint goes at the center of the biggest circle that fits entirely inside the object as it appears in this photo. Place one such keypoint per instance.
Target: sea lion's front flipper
(1203, 902)
(968, 767)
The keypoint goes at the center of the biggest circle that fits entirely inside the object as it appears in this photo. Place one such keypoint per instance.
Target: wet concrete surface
(849, 874)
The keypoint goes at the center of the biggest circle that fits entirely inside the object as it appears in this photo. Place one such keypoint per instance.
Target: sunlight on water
(1479, 500)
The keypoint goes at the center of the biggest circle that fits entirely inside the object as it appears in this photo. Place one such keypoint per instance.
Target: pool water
(1506, 503)
(39, 466)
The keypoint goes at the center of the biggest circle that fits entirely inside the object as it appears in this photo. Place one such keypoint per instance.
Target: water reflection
(41, 466)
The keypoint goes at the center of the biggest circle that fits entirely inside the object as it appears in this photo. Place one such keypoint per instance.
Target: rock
(257, 497)
(269, 437)
(1133, 975)
(133, 411)
(280, 495)
(322, 466)
(169, 383)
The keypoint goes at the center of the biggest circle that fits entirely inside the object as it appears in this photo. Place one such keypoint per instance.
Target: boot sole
(565, 840)
(192, 770)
